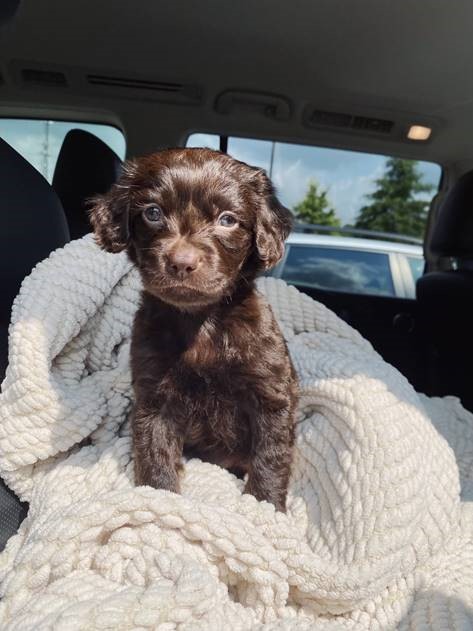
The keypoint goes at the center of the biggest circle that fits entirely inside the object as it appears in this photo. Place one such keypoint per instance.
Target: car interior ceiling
(266, 70)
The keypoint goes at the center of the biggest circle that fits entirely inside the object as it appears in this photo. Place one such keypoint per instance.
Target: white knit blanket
(375, 537)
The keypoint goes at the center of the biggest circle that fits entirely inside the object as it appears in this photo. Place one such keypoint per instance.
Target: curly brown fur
(211, 373)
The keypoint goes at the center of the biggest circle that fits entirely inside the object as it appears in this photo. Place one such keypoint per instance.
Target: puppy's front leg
(270, 466)
(157, 449)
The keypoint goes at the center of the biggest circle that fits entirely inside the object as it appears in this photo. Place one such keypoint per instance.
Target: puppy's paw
(278, 500)
(162, 479)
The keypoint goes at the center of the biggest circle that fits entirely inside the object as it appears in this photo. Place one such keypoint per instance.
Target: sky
(347, 175)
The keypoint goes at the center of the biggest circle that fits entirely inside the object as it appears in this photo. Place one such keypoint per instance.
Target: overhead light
(418, 132)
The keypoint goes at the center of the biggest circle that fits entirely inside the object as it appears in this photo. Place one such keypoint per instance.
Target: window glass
(338, 188)
(211, 141)
(39, 141)
(337, 269)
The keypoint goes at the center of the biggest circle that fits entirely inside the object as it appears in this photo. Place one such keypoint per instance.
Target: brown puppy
(211, 373)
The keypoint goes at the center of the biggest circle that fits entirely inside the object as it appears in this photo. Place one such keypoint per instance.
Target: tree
(315, 208)
(395, 204)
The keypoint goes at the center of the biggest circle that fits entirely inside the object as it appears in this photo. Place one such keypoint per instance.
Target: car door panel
(389, 323)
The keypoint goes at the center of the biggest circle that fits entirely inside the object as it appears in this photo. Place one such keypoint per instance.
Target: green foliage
(315, 208)
(395, 205)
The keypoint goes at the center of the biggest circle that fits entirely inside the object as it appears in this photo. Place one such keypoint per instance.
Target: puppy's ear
(273, 222)
(110, 213)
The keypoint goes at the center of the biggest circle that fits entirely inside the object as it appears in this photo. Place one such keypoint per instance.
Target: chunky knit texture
(376, 535)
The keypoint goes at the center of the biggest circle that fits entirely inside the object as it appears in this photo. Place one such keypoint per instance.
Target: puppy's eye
(226, 220)
(153, 214)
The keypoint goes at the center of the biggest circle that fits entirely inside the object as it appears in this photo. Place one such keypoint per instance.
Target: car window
(417, 266)
(39, 141)
(339, 269)
(348, 190)
(211, 141)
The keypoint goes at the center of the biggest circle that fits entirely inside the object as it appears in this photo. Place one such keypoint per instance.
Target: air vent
(140, 84)
(378, 125)
(322, 118)
(160, 90)
(43, 77)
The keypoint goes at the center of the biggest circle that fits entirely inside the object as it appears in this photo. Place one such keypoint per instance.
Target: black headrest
(32, 225)
(86, 166)
(453, 231)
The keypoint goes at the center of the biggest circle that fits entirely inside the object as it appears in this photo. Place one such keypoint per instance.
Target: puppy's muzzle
(183, 261)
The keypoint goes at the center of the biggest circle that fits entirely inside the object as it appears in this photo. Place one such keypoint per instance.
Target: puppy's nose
(183, 261)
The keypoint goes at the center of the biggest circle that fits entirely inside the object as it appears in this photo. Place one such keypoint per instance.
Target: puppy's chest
(216, 411)
(209, 369)
(209, 384)
(207, 353)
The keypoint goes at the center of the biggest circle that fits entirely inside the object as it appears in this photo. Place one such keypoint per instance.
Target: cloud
(346, 190)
